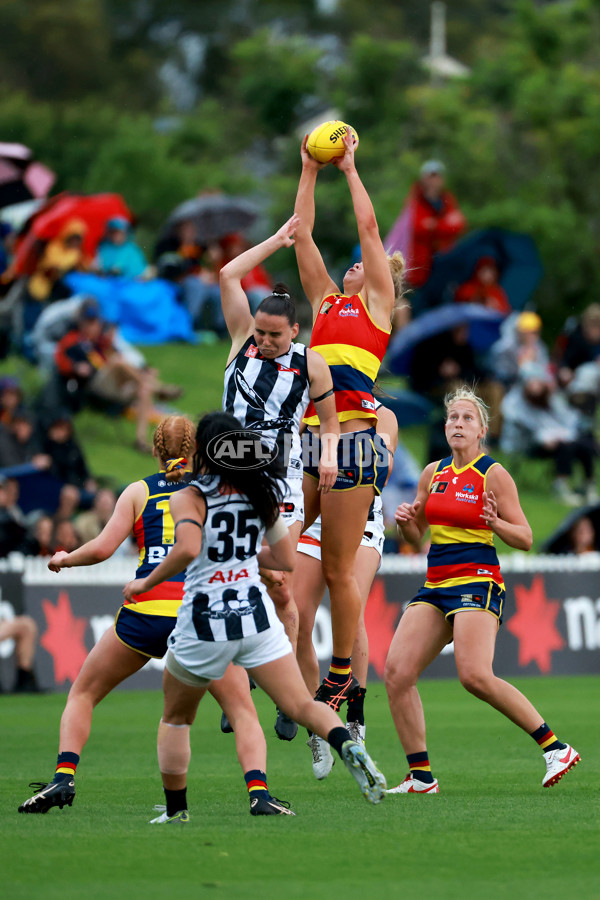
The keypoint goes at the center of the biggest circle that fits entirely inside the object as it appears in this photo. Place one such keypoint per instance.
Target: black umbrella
(21, 178)
(559, 541)
(214, 216)
(516, 255)
(484, 329)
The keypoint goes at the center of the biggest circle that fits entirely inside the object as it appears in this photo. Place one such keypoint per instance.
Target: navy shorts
(363, 460)
(485, 595)
(145, 633)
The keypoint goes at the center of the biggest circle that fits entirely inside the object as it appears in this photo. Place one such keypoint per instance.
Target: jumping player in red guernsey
(351, 330)
(465, 500)
(142, 627)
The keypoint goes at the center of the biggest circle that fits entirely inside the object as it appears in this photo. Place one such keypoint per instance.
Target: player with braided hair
(141, 627)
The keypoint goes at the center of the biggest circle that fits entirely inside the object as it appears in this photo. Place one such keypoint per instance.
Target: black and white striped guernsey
(270, 395)
(224, 598)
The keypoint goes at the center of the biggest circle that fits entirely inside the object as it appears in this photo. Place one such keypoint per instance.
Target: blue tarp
(147, 312)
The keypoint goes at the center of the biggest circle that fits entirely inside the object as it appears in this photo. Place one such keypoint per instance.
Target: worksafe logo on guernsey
(240, 450)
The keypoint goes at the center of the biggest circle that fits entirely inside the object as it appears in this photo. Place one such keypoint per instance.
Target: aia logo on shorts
(439, 487)
(287, 507)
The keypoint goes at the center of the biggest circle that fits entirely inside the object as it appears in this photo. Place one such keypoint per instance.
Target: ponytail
(173, 445)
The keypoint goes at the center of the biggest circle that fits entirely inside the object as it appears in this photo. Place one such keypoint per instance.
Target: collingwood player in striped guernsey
(226, 614)
(269, 381)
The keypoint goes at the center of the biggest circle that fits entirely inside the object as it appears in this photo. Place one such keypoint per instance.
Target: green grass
(108, 441)
(492, 832)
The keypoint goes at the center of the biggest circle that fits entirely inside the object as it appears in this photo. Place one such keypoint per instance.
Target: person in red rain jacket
(482, 287)
(437, 221)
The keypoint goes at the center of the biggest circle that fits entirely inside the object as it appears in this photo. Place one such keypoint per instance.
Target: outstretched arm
(112, 535)
(236, 309)
(315, 278)
(378, 291)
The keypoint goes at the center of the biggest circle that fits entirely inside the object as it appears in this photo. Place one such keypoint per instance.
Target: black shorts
(363, 460)
(143, 632)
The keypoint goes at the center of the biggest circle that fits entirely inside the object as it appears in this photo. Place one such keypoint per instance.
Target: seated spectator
(520, 344)
(24, 632)
(90, 369)
(65, 536)
(11, 398)
(67, 462)
(60, 255)
(538, 422)
(584, 391)
(582, 537)
(117, 253)
(582, 345)
(12, 533)
(483, 287)
(39, 538)
(90, 523)
(21, 442)
(13, 491)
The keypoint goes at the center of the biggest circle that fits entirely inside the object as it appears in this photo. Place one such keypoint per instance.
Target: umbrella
(21, 177)
(483, 331)
(558, 542)
(93, 209)
(214, 216)
(519, 266)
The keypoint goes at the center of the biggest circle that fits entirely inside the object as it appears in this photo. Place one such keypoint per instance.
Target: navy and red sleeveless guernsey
(462, 545)
(154, 532)
(353, 347)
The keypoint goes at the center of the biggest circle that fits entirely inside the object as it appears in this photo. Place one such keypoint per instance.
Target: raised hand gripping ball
(325, 142)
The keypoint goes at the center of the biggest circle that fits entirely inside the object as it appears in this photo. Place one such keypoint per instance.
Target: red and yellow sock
(340, 669)
(418, 763)
(66, 766)
(256, 782)
(546, 738)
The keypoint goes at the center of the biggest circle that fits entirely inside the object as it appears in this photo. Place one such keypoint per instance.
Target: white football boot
(412, 785)
(323, 759)
(558, 763)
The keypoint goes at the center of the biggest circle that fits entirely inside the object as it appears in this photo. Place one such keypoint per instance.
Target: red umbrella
(47, 223)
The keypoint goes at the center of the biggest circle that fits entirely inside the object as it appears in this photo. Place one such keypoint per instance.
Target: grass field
(491, 833)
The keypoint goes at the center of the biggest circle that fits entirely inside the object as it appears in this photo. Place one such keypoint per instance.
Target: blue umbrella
(519, 265)
(483, 331)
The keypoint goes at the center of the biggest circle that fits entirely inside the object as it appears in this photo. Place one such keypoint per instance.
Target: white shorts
(206, 661)
(310, 541)
(292, 508)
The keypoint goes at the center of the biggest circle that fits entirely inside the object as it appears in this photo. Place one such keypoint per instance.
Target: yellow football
(325, 142)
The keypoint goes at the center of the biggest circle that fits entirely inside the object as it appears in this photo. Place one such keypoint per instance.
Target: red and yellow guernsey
(154, 531)
(462, 545)
(353, 346)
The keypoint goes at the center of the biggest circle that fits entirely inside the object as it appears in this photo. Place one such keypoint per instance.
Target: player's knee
(475, 682)
(280, 594)
(397, 677)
